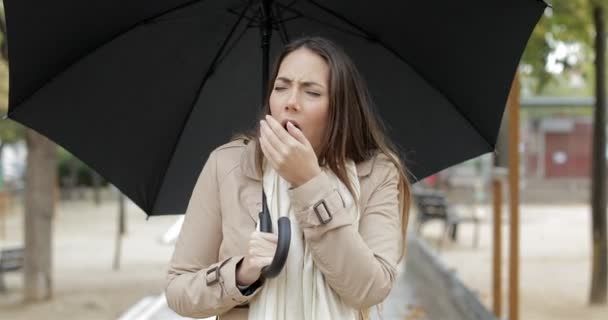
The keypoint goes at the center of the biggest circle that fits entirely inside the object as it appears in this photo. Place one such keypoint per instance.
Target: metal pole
(120, 231)
(513, 109)
(598, 293)
(497, 243)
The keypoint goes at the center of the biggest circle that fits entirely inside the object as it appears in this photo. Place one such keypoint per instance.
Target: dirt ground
(555, 267)
(86, 286)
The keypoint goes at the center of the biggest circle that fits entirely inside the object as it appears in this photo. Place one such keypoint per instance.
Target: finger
(272, 138)
(297, 134)
(266, 249)
(278, 130)
(267, 236)
(264, 239)
(267, 154)
(263, 262)
(260, 262)
(264, 146)
(273, 156)
(263, 252)
(261, 245)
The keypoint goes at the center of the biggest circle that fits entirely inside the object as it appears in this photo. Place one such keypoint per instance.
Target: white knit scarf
(300, 292)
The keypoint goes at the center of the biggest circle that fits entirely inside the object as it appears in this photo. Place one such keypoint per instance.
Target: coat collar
(251, 170)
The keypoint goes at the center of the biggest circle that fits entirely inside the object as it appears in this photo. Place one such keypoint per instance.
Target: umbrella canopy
(142, 91)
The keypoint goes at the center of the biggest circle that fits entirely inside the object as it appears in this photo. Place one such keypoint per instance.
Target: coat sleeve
(198, 285)
(359, 265)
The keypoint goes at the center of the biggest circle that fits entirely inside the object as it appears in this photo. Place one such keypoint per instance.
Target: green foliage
(568, 22)
(10, 131)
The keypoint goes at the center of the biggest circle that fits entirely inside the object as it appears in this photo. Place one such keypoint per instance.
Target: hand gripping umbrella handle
(280, 255)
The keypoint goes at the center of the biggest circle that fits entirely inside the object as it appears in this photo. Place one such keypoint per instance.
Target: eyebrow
(304, 83)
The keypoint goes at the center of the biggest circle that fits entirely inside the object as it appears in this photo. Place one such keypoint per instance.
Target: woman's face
(300, 94)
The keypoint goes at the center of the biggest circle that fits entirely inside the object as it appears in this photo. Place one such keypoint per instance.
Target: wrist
(245, 274)
(315, 173)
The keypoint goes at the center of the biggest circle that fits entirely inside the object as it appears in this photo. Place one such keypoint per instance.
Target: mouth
(284, 123)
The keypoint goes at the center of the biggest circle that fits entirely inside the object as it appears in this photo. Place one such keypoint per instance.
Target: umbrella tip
(547, 3)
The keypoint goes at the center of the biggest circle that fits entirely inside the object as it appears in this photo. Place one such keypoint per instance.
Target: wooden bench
(433, 205)
(11, 260)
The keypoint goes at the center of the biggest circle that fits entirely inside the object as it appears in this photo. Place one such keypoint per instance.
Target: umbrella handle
(280, 255)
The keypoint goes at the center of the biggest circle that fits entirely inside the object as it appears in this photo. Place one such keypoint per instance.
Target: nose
(292, 102)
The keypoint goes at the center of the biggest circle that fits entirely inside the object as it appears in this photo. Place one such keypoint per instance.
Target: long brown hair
(353, 131)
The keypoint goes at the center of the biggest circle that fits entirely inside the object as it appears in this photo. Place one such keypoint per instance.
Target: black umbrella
(143, 90)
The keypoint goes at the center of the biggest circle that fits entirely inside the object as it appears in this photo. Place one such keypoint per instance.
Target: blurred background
(520, 233)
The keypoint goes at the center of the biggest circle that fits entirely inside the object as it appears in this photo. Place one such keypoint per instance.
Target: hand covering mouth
(284, 123)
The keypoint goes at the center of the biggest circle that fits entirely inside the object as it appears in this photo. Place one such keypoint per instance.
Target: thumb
(297, 133)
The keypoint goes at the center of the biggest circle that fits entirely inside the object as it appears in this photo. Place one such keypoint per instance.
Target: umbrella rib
(378, 41)
(155, 17)
(300, 15)
(281, 24)
(256, 18)
(234, 43)
(250, 19)
(209, 72)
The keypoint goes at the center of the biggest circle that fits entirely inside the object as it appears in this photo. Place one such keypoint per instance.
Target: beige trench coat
(360, 265)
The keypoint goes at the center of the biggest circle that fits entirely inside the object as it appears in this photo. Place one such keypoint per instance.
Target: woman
(324, 161)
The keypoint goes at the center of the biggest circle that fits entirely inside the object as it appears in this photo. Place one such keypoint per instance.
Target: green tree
(567, 22)
(581, 23)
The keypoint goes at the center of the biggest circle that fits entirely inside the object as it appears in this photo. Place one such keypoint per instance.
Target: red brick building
(559, 147)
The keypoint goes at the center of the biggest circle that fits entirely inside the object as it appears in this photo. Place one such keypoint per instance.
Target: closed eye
(313, 93)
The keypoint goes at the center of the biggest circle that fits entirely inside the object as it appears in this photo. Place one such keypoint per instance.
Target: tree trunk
(39, 211)
(599, 261)
(96, 188)
(513, 106)
(120, 230)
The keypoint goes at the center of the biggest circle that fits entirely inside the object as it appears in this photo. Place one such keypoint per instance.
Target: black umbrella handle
(284, 238)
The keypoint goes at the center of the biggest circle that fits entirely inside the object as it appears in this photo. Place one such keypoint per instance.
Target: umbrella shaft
(266, 34)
